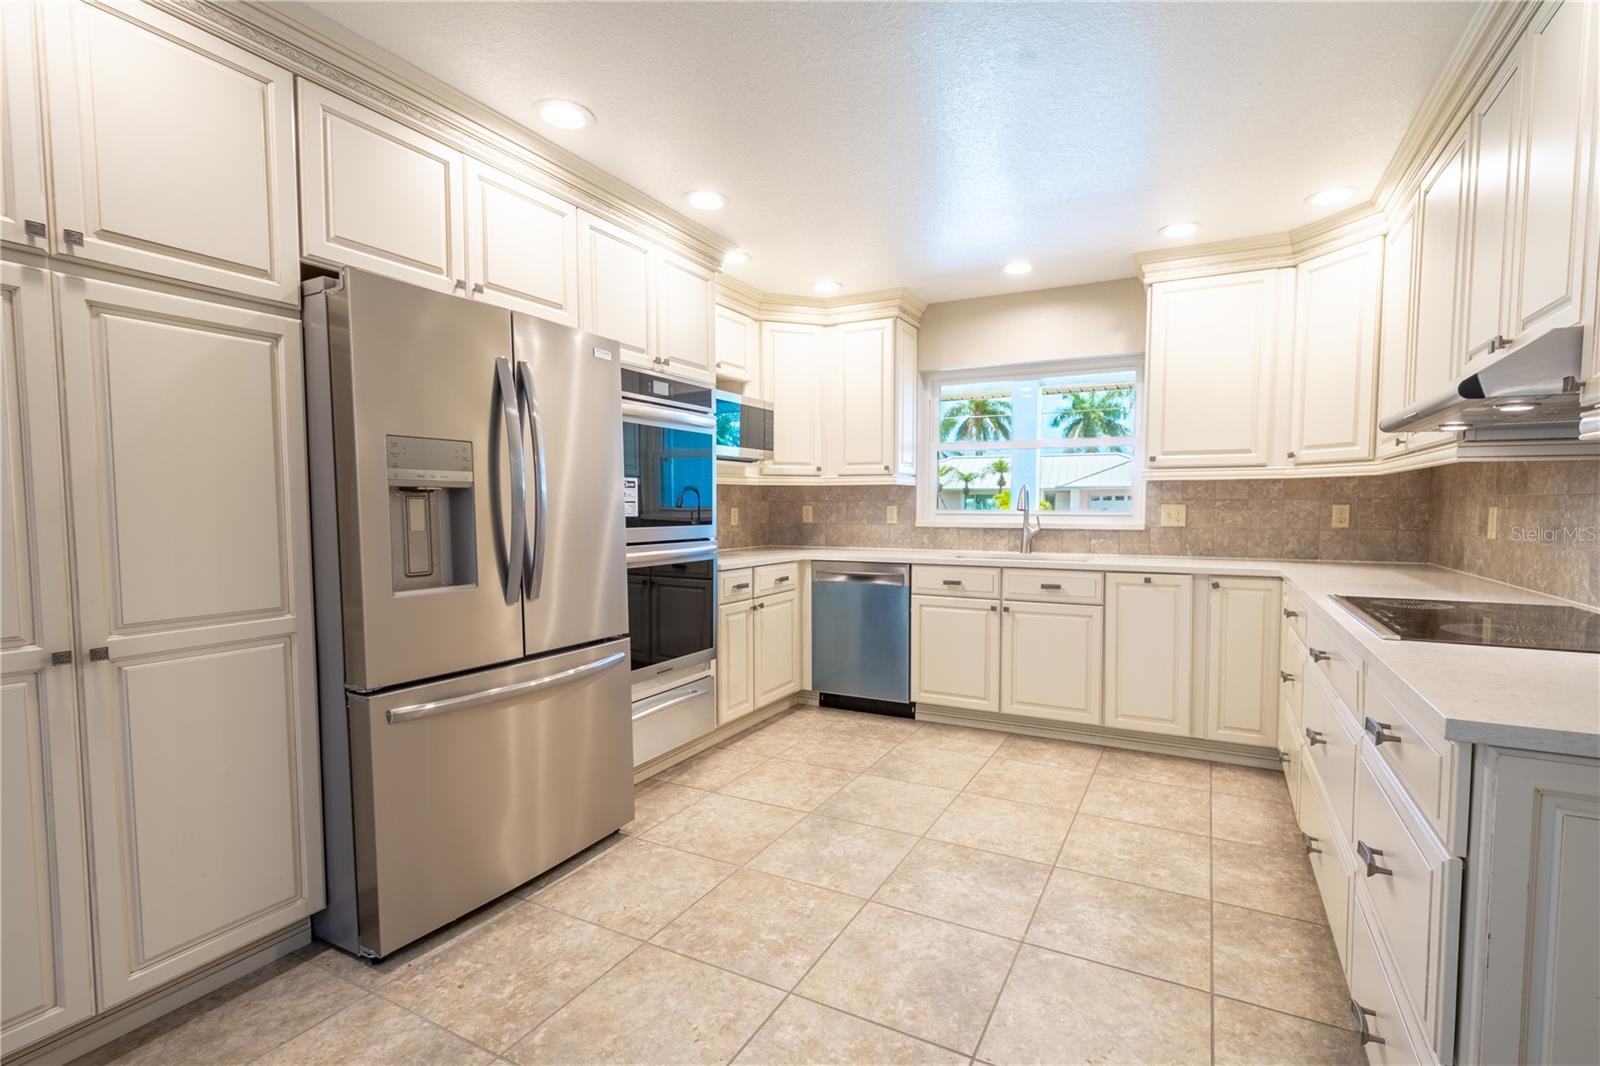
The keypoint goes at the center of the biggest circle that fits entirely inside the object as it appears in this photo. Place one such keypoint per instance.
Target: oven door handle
(665, 417)
(666, 556)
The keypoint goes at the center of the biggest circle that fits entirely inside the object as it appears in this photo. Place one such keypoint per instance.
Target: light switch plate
(891, 515)
(1341, 516)
(733, 516)
(1494, 523)
(1175, 514)
(805, 513)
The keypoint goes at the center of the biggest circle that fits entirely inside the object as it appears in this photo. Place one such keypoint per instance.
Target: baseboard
(100, 1030)
(1192, 747)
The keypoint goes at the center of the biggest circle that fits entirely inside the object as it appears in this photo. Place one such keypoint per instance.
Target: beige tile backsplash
(1549, 511)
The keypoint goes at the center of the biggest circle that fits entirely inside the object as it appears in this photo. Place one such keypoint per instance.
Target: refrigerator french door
(472, 617)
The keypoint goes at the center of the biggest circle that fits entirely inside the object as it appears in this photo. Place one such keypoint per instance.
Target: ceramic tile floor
(833, 887)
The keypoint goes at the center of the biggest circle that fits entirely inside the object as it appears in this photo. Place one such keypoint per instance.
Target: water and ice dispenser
(431, 535)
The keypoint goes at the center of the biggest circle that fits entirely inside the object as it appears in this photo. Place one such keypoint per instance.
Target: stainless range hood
(1531, 390)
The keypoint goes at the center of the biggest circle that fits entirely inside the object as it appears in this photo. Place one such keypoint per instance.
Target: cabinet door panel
(1394, 334)
(614, 287)
(1440, 227)
(206, 687)
(1242, 660)
(955, 653)
(861, 435)
(173, 151)
(1335, 355)
(1051, 655)
(1560, 57)
(1495, 151)
(522, 245)
(22, 184)
(379, 195)
(44, 911)
(1148, 674)
(792, 374)
(776, 655)
(735, 678)
(683, 316)
(1213, 346)
(737, 343)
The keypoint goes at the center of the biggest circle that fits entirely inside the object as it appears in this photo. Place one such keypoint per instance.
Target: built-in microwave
(668, 461)
(744, 428)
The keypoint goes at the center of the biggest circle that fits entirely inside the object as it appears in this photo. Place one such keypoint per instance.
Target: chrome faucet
(1028, 531)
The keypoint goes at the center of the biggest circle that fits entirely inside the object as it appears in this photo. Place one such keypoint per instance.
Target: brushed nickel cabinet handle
(35, 229)
(61, 658)
(1370, 855)
(72, 238)
(952, 582)
(1359, 1015)
(1379, 732)
(1049, 586)
(1318, 655)
(1313, 737)
(741, 585)
(1285, 676)
(1309, 842)
(1290, 614)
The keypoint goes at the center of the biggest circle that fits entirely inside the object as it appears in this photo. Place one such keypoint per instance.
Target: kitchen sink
(1019, 557)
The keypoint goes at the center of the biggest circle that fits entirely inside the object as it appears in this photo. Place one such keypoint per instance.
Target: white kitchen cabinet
(792, 373)
(44, 899)
(1441, 222)
(1560, 54)
(1051, 661)
(859, 430)
(738, 349)
(24, 198)
(735, 650)
(522, 245)
(172, 151)
(378, 194)
(1242, 639)
(186, 440)
(1394, 329)
(1496, 152)
(614, 287)
(685, 306)
(1336, 355)
(775, 647)
(1214, 349)
(955, 652)
(1149, 655)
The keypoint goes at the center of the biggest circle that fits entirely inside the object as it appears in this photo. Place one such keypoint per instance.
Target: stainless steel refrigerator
(472, 616)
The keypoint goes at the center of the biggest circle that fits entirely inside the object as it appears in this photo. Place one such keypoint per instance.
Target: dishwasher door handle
(859, 577)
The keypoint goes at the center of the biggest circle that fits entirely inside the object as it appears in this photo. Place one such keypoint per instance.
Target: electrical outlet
(1494, 523)
(1175, 514)
(891, 515)
(1341, 516)
(733, 516)
(805, 513)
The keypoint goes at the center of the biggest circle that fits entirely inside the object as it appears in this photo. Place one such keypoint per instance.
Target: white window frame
(928, 445)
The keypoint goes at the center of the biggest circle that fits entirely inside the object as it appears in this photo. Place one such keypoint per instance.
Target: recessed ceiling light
(1338, 194)
(1454, 426)
(735, 257)
(1017, 267)
(565, 115)
(1516, 408)
(1179, 229)
(827, 287)
(706, 200)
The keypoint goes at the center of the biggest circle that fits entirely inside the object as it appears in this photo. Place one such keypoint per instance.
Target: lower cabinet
(775, 647)
(735, 669)
(1149, 662)
(1242, 637)
(1050, 661)
(955, 652)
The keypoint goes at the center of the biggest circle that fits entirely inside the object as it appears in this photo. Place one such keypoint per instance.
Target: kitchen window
(1069, 431)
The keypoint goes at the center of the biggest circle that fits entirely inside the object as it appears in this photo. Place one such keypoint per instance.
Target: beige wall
(1106, 318)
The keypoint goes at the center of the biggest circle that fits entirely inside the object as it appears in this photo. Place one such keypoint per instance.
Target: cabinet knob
(1216, 584)
(992, 607)
(1152, 458)
(61, 658)
(1147, 581)
(34, 229)
(666, 361)
(477, 289)
(461, 284)
(72, 238)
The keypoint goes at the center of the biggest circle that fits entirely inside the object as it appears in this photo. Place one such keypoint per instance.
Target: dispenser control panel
(428, 462)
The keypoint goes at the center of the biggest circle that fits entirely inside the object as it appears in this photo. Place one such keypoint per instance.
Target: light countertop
(1512, 697)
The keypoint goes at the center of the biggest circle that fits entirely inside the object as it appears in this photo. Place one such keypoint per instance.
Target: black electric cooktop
(1550, 627)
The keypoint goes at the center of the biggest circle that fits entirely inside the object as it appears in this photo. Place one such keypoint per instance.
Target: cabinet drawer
(1331, 862)
(1414, 886)
(1328, 657)
(1432, 770)
(956, 580)
(1294, 612)
(1291, 746)
(1374, 1001)
(1054, 586)
(1292, 668)
(673, 718)
(780, 577)
(1331, 742)
(734, 585)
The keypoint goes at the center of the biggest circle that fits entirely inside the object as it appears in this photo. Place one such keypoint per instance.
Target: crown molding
(902, 304)
(316, 48)
(1264, 252)
(742, 297)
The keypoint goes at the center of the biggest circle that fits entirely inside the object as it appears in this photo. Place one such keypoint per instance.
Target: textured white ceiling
(925, 144)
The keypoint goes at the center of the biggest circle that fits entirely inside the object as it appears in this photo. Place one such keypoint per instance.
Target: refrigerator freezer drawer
(672, 718)
(468, 787)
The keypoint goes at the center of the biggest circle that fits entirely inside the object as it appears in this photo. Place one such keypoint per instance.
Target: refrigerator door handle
(414, 711)
(533, 548)
(506, 398)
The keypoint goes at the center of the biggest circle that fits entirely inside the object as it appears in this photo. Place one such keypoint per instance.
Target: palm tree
(977, 418)
(947, 474)
(1000, 468)
(1094, 414)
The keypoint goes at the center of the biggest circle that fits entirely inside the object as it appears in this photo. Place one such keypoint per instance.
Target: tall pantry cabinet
(155, 534)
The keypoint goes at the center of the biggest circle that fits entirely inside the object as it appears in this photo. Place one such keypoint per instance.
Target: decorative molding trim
(1265, 252)
(316, 48)
(820, 310)
(739, 296)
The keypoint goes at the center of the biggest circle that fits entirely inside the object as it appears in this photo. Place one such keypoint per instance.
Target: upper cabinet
(867, 429)
(1335, 355)
(1496, 150)
(24, 199)
(791, 367)
(522, 245)
(1394, 326)
(685, 306)
(737, 349)
(1441, 214)
(1214, 344)
(172, 151)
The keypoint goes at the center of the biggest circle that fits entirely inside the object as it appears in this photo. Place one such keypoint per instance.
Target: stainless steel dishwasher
(861, 634)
